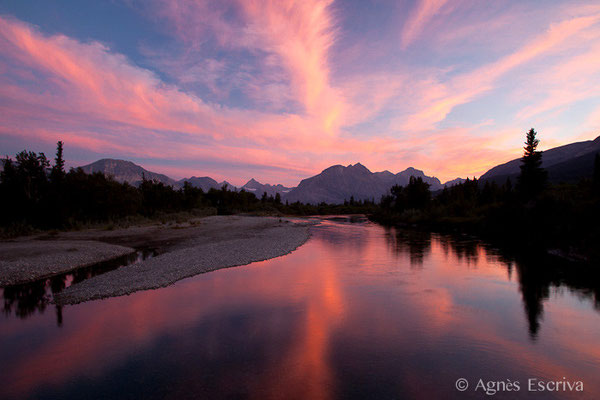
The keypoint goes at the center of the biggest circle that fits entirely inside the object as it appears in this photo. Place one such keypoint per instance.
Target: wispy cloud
(466, 87)
(420, 16)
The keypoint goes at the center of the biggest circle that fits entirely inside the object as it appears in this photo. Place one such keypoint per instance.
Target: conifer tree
(58, 170)
(533, 177)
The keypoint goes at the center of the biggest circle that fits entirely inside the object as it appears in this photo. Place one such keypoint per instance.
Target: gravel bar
(30, 260)
(244, 240)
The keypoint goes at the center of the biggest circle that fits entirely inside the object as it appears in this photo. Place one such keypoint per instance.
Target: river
(359, 311)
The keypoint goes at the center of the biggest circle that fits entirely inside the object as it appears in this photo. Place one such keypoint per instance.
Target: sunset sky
(279, 90)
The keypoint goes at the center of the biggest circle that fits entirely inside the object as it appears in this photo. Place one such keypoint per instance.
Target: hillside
(568, 163)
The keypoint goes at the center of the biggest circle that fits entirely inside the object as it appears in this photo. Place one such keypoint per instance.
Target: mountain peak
(384, 174)
(412, 171)
(228, 185)
(104, 161)
(125, 171)
(253, 183)
(333, 168)
(359, 166)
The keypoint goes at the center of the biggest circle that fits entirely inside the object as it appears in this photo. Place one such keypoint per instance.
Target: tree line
(37, 195)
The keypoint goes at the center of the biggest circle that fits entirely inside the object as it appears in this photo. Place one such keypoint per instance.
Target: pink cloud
(296, 36)
(418, 20)
(565, 83)
(466, 87)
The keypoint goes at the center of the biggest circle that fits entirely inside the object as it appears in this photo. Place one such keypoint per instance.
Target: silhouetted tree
(533, 177)
(58, 170)
(192, 196)
(156, 196)
(277, 198)
(8, 172)
(8, 191)
(396, 199)
(417, 193)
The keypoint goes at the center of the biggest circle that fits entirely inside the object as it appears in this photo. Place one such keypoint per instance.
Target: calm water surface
(359, 311)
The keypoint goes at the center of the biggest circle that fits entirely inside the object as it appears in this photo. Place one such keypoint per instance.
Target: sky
(280, 90)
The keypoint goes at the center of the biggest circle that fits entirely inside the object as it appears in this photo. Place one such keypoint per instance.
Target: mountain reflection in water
(359, 311)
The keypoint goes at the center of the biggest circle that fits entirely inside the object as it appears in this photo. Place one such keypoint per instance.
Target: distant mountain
(125, 171)
(228, 185)
(568, 163)
(454, 182)
(333, 185)
(402, 178)
(336, 184)
(205, 183)
(258, 188)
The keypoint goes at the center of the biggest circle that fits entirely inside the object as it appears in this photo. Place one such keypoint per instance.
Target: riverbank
(184, 251)
(181, 250)
(30, 259)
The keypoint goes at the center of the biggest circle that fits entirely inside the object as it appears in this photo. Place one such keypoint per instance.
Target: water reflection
(463, 247)
(413, 242)
(357, 312)
(537, 278)
(26, 299)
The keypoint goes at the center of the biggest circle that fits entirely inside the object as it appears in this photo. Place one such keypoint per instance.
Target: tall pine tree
(533, 177)
(58, 170)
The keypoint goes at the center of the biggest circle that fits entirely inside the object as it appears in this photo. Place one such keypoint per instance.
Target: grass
(191, 217)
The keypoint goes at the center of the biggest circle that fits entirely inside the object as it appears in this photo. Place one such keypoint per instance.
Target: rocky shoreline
(182, 250)
(24, 261)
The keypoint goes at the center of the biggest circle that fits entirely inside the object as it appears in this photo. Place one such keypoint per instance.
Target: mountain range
(205, 183)
(271, 190)
(333, 185)
(339, 183)
(126, 171)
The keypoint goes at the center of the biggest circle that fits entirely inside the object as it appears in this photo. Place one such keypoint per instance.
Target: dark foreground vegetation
(37, 195)
(528, 214)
